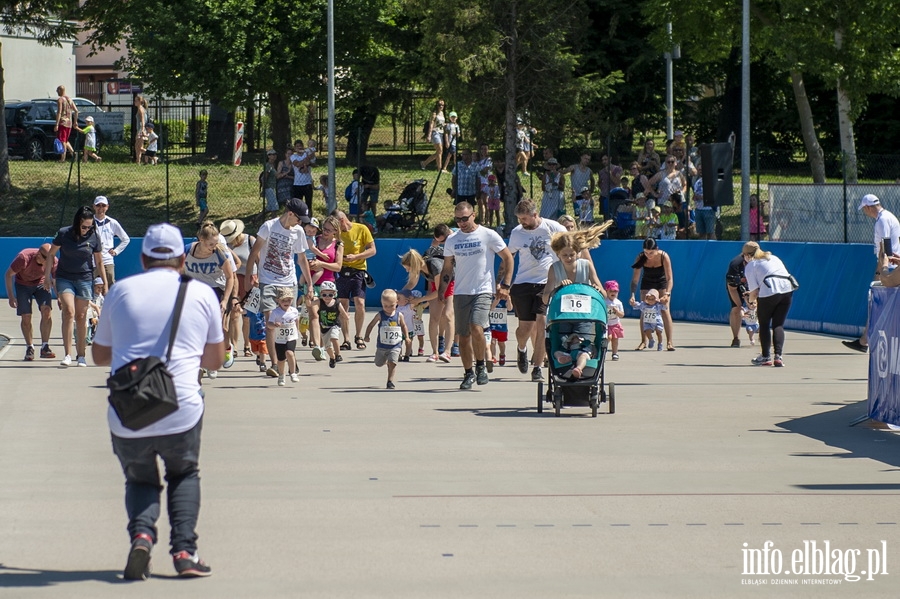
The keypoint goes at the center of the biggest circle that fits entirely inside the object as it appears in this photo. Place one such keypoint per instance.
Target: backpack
(348, 193)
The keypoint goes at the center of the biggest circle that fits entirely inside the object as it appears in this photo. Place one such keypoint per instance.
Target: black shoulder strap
(176, 314)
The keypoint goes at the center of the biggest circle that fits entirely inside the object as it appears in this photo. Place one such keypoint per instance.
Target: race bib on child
(419, 327)
(751, 318)
(253, 301)
(574, 303)
(390, 335)
(497, 316)
(285, 333)
(648, 317)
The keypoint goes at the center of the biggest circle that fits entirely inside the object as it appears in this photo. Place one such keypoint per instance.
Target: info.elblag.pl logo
(815, 562)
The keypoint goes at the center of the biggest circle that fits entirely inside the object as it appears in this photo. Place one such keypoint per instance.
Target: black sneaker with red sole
(138, 565)
(190, 566)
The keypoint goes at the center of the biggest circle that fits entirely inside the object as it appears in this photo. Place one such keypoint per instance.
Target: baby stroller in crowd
(408, 212)
(576, 349)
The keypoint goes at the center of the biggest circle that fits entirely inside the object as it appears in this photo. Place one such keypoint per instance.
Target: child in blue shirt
(651, 319)
(499, 330)
(258, 338)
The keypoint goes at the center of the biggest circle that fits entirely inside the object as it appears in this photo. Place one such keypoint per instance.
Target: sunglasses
(326, 295)
(462, 219)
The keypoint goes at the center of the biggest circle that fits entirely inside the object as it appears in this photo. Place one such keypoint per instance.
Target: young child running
(283, 324)
(406, 311)
(499, 330)
(391, 333)
(751, 321)
(258, 338)
(201, 195)
(614, 311)
(651, 320)
(331, 315)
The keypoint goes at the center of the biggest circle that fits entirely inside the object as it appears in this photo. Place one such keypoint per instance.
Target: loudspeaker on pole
(717, 160)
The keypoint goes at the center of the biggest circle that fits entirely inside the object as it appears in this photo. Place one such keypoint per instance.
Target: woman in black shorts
(653, 268)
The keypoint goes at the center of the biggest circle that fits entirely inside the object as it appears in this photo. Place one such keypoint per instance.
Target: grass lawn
(46, 194)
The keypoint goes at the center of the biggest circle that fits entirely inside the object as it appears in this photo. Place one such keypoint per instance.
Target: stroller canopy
(576, 302)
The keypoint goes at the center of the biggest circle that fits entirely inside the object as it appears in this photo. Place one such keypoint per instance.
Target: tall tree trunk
(808, 128)
(281, 122)
(220, 133)
(361, 124)
(5, 182)
(845, 120)
(848, 143)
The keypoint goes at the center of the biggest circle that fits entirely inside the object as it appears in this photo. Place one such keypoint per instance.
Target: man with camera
(132, 326)
(887, 230)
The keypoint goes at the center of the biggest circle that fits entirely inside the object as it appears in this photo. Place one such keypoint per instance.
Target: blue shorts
(26, 293)
(705, 221)
(202, 204)
(83, 290)
(354, 209)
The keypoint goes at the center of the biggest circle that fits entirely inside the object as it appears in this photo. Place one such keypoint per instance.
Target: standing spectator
(640, 183)
(25, 282)
(886, 227)
(268, 182)
(201, 194)
(531, 241)
(66, 117)
(284, 179)
(152, 144)
(736, 285)
(609, 177)
(653, 268)
(90, 139)
(132, 325)
(771, 285)
(648, 159)
(667, 182)
(471, 251)
(79, 250)
(580, 176)
(140, 127)
(484, 164)
(302, 159)
(524, 145)
(359, 246)
(271, 261)
(371, 186)
(554, 185)
(704, 214)
(758, 219)
(465, 179)
(435, 136)
(108, 229)
(452, 135)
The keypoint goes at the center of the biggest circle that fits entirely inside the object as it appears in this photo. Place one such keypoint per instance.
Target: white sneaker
(81, 361)
(67, 361)
(295, 378)
(281, 381)
(432, 358)
(212, 374)
(229, 357)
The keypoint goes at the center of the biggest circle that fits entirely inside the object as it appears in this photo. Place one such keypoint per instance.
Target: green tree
(510, 59)
(50, 21)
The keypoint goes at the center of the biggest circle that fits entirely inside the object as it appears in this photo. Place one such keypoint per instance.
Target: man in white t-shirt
(131, 327)
(471, 251)
(272, 256)
(302, 160)
(531, 241)
(886, 227)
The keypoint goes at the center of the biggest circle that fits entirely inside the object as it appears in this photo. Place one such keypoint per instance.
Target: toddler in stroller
(408, 210)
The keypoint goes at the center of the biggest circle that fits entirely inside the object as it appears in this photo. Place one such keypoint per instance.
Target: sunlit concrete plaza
(336, 487)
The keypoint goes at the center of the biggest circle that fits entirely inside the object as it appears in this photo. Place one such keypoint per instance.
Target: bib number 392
(575, 303)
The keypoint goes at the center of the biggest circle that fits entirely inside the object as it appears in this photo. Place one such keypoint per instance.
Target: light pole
(745, 121)
(674, 54)
(332, 198)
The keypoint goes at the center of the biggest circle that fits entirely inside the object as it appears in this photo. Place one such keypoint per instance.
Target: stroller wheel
(612, 398)
(557, 400)
(540, 398)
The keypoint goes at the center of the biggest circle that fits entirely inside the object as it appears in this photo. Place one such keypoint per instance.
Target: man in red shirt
(24, 282)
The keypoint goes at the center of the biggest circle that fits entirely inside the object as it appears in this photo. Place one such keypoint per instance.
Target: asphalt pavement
(336, 487)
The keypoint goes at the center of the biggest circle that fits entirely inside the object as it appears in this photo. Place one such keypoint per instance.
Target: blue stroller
(576, 331)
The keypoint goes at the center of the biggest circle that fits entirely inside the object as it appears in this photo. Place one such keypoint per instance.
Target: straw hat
(231, 228)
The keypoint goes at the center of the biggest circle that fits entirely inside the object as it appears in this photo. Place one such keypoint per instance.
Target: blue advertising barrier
(884, 355)
(834, 278)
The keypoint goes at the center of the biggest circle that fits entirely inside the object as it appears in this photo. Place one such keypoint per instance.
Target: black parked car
(29, 129)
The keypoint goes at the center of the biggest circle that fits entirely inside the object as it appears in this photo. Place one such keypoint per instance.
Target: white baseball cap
(163, 241)
(89, 119)
(101, 200)
(870, 199)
